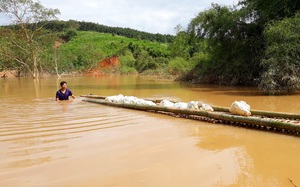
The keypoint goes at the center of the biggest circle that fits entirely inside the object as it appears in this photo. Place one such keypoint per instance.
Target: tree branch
(18, 60)
(20, 47)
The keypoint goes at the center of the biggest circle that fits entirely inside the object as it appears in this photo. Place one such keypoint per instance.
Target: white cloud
(155, 16)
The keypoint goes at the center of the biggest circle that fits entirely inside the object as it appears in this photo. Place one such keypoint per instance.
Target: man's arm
(72, 95)
(57, 96)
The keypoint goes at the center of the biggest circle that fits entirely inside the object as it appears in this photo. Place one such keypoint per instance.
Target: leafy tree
(262, 12)
(144, 62)
(233, 43)
(23, 45)
(180, 46)
(282, 57)
(128, 63)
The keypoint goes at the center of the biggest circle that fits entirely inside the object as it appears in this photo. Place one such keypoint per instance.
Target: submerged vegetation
(252, 43)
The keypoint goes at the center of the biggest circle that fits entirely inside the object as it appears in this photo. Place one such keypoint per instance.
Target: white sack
(128, 100)
(166, 103)
(115, 98)
(148, 103)
(207, 107)
(240, 108)
(180, 105)
(193, 105)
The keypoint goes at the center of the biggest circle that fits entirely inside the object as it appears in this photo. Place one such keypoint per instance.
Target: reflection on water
(65, 104)
(264, 159)
(73, 143)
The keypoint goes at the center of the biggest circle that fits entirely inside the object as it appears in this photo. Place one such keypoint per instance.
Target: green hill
(86, 48)
(109, 44)
(77, 50)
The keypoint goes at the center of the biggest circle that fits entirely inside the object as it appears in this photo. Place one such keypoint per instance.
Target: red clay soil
(107, 64)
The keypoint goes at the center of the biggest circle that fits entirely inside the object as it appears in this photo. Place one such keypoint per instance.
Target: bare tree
(23, 45)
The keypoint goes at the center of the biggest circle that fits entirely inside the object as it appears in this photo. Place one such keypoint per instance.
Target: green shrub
(128, 70)
(127, 59)
(68, 34)
(179, 66)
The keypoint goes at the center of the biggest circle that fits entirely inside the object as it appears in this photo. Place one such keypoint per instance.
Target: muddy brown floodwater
(57, 144)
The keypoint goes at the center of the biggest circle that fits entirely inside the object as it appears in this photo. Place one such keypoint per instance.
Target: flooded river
(48, 143)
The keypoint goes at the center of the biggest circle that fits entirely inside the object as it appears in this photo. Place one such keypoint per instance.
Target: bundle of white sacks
(193, 105)
(120, 99)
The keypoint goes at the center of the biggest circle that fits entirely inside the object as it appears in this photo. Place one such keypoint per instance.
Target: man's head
(63, 84)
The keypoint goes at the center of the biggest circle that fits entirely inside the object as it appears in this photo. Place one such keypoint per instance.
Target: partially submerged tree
(24, 44)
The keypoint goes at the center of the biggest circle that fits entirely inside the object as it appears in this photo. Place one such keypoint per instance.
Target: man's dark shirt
(64, 96)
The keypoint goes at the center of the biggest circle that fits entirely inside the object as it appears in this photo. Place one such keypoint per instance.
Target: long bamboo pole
(94, 96)
(263, 113)
(268, 122)
(225, 109)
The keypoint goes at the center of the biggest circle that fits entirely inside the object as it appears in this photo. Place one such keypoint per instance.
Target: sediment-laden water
(48, 143)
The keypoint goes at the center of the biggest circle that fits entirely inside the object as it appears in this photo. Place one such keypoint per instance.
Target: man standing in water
(64, 93)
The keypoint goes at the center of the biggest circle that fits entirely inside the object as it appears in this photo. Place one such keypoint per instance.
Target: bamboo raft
(286, 123)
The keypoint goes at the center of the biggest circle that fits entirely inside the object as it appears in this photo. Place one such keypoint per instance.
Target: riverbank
(157, 75)
(14, 74)
(8, 74)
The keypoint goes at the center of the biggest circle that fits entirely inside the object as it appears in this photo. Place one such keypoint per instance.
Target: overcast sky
(155, 16)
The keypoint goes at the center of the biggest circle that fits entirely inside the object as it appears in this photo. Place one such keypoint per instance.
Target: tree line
(58, 26)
